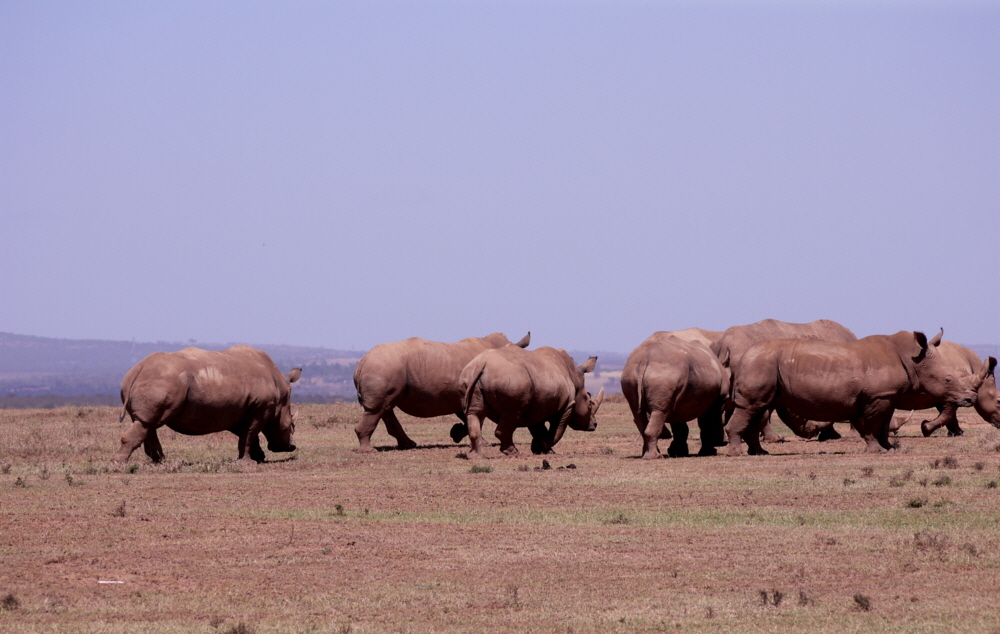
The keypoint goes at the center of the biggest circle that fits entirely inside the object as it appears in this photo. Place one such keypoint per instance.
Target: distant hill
(44, 372)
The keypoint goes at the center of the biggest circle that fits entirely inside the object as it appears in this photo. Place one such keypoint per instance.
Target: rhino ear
(936, 341)
(588, 365)
(294, 375)
(525, 340)
(726, 361)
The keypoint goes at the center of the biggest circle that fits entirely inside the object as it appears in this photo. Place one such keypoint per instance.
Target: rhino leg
(540, 439)
(947, 417)
(131, 439)
(768, 434)
(874, 427)
(679, 447)
(365, 428)
(476, 443)
(459, 430)
(505, 434)
(651, 435)
(396, 431)
(254, 449)
(152, 446)
(710, 426)
(745, 426)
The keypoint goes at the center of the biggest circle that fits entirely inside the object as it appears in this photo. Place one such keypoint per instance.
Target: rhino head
(582, 411)
(280, 430)
(930, 372)
(987, 401)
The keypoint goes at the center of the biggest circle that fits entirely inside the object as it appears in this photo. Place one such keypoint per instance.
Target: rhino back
(679, 377)
(736, 340)
(532, 384)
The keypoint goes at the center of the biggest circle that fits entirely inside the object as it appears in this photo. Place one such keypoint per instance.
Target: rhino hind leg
(505, 434)
(652, 434)
(679, 447)
(459, 430)
(152, 446)
(365, 428)
(396, 431)
(131, 439)
(745, 426)
(710, 429)
(540, 439)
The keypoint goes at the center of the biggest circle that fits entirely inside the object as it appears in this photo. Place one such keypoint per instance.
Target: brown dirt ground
(415, 541)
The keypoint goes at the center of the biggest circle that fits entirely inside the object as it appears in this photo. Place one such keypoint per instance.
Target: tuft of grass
(848, 482)
(949, 462)
(979, 466)
(484, 468)
(242, 628)
(620, 518)
(5, 467)
(971, 549)
(867, 471)
(804, 599)
(462, 455)
(941, 503)
(992, 484)
(119, 510)
(943, 481)
(606, 451)
(10, 602)
(930, 541)
(20, 483)
(862, 602)
(132, 468)
(774, 597)
(915, 503)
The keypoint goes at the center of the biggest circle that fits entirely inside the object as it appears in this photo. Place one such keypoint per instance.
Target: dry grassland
(817, 537)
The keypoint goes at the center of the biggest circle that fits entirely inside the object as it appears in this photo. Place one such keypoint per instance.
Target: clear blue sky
(342, 174)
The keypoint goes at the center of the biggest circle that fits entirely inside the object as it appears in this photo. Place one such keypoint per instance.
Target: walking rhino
(420, 377)
(667, 379)
(197, 392)
(527, 388)
(861, 381)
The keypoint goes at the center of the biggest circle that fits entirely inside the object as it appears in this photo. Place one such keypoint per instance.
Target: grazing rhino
(419, 377)
(735, 341)
(987, 404)
(198, 392)
(861, 381)
(670, 380)
(527, 388)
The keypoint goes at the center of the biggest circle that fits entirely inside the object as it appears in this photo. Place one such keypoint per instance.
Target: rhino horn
(525, 340)
(598, 401)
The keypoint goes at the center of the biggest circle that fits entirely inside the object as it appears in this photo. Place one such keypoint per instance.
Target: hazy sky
(343, 174)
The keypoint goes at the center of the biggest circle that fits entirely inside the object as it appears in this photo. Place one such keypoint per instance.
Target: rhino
(669, 380)
(735, 341)
(197, 392)
(527, 388)
(860, 381)
(987, 405)
(419, 377)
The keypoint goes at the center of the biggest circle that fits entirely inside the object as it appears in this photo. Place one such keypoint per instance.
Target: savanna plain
(816, 537)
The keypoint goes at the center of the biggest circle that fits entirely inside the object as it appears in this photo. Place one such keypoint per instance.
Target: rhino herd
(811, 375)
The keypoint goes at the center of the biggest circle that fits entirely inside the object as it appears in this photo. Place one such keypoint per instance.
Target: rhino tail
(476, 374)
(127, 395)
(358, 369)
(641, 387)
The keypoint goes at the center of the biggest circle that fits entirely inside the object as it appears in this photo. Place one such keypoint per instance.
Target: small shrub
(774, 597)
(927, 540)
(862, 602)
(44, 475)
(132, 468)
(943, 481)
(915, 503)
(941, 503)
(606, 451)
(867, 471)
(20, 483)
(242, 628)
(992, 484)
(620, 518)
(935, 463)
(462, 455)
(979, 466)
(10, 602)
(709, 612)
(812, 476)
(481, 468)
(804, 598)
(217, 621)
(923, 482)
(848, 482)
(5, 467)
(523, 467)
(949, 462)
(971, 549)
(119, 510)
(339, 509)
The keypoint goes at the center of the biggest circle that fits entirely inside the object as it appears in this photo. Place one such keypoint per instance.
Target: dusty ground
(815, 537)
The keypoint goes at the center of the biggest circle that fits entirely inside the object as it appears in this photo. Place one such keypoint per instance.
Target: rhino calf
(527, 388)
(669, 380)
(197, 392)
(862, 382)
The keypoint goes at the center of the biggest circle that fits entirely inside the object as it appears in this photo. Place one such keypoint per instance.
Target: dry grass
(418, 541)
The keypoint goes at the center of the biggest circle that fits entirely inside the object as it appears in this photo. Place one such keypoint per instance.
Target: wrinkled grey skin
(862, 381)
(527, 388)
(667, 380)
(735, 341)
(419, 377)
(987, 404)
(198, 392)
